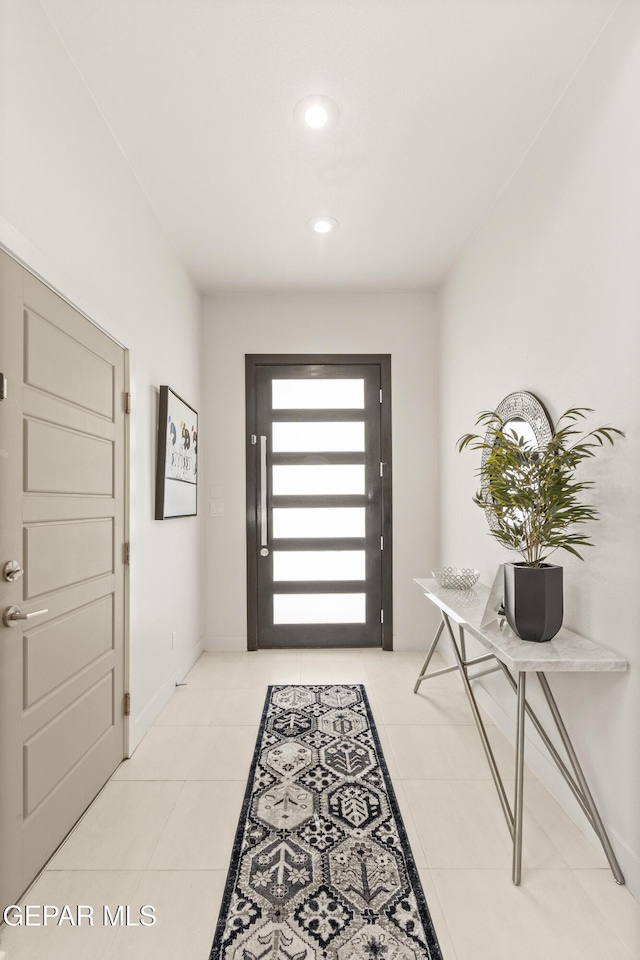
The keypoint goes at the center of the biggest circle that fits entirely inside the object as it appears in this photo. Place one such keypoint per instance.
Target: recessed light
(323, 225)
(316, 112)
(316, 117)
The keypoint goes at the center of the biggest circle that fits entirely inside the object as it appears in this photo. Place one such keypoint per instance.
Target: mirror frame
(523, 406)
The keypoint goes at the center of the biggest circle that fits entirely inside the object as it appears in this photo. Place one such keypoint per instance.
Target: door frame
(126, 675)
(252, 362)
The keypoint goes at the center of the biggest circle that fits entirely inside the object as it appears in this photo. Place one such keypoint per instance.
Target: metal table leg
(596, 820)
(423, 675)
(425, 665)
(493, 767)
(519, 791)
(555, 756)
(580, 789)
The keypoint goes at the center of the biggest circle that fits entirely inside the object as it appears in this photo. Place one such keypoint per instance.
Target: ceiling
(439, 102)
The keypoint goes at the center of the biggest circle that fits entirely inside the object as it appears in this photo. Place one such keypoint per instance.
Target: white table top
(566, 652)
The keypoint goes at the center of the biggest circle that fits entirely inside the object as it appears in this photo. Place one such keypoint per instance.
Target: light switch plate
(216, 508)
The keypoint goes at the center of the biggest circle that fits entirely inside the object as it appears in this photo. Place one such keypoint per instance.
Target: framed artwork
(177, 464)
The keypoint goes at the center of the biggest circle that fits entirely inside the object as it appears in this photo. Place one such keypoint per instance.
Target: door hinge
(380, 395)
(3, 387)
(126, 554)
(254, 439)
(127, 403)
(382, 543)
(382, 616)
(127, 704)
(382, 468)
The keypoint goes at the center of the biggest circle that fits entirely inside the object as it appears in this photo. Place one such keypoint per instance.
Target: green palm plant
(531, 497)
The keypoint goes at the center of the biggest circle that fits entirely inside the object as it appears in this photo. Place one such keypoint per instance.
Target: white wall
(402, 325)
(547, 298)
(71, 209)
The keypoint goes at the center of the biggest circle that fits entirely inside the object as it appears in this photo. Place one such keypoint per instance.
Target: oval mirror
(523, 431)
(523, 414)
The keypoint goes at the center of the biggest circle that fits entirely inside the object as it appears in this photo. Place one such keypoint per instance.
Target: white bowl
(458, 578)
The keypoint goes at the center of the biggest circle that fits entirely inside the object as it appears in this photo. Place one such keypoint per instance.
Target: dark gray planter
(533, 600)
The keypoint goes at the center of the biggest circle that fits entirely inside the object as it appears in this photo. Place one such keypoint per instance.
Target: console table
(567, 652)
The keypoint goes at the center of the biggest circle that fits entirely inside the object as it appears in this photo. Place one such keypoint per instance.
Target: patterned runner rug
(321, 867)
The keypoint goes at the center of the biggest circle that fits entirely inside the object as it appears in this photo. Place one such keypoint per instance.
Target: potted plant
(534, 503)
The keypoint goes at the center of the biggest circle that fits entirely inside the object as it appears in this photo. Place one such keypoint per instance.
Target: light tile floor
(161, 831)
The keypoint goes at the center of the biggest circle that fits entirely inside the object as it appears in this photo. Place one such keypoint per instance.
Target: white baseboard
(405, 644)
(239, 644)
(410, 644)
(139, 724)
(230, 644)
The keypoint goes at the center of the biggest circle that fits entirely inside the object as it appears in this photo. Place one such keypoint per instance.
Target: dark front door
(319, 502)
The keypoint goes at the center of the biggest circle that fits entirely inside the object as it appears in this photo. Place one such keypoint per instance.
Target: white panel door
(62, 522)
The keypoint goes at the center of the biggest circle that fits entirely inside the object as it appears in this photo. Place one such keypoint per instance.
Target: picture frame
(177, 460)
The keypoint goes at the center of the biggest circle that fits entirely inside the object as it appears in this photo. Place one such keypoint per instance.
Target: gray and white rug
(321, 867)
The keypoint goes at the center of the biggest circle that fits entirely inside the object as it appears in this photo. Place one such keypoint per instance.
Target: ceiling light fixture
(323, 225)
(316, 112)
(316, 117)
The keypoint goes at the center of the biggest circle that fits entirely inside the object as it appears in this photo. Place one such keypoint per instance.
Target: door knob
(12, 614)
(11, 571)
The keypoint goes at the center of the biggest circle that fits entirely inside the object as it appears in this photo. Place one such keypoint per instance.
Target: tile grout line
(429, 870)
(164, 826)
(574, 871)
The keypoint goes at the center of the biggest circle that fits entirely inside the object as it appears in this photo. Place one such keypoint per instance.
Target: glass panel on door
(316, 522)
(320, 480)
(318, 565)
(313, 437)
(319, 608)
(317, 394)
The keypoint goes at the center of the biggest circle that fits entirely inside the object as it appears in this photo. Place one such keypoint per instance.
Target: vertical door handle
(264, 531)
